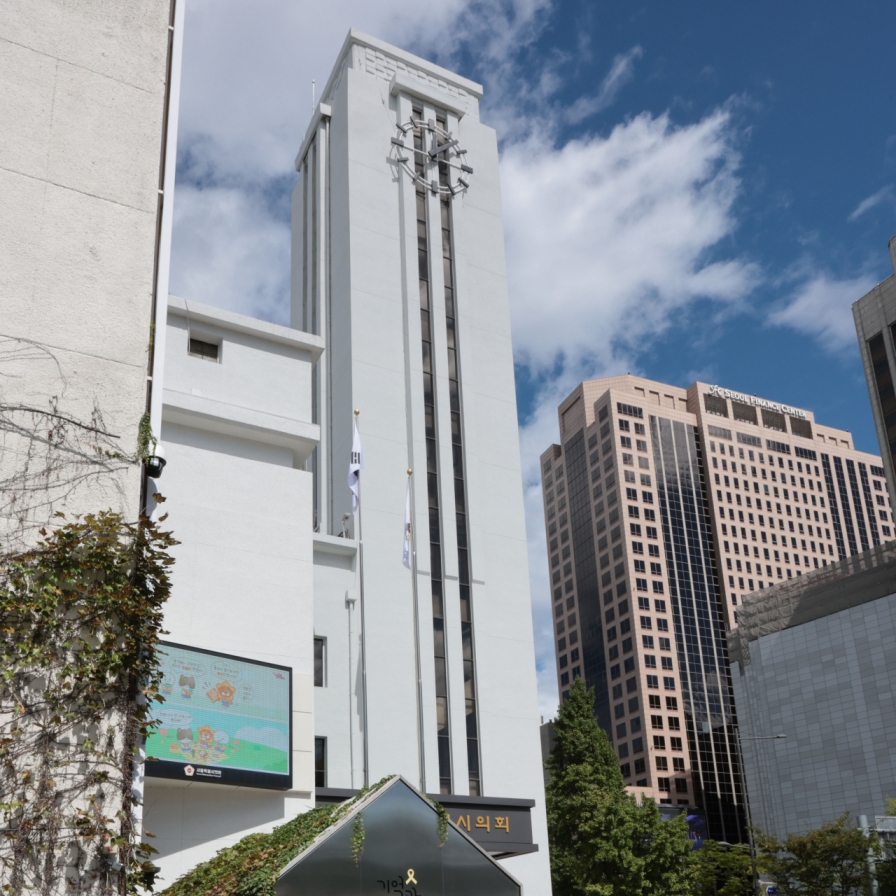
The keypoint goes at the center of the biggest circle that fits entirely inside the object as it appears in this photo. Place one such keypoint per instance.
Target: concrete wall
(237, 433)
(829, 686)
(82, 96)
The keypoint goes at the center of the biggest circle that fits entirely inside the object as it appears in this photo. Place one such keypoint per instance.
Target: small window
(202, 349)
(319, 663)
(320, 762)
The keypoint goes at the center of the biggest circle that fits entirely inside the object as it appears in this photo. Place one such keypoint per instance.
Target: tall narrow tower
(398, 263)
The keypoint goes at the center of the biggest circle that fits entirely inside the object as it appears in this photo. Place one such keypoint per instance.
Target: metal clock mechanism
(431, 157)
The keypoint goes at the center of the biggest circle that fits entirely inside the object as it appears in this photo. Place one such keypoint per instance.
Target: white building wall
(337, 705)
(371, 305)
(236, 434)
(82, 101)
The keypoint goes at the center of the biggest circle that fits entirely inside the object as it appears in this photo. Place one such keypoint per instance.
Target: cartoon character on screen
(226, 693)
(222, 692)
(167, 686)
(187, 685)
(206, 739)
(185, 739)
(220, 746)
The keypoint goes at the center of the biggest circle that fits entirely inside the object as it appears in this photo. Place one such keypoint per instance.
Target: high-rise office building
(398, 263)
(399, 311)
(664, 507)
(875, 317)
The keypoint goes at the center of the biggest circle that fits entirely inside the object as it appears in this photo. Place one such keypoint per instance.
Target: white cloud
(621, 72)
(268, 737)
(609, 238)
(821, 307)
(231, 251)
(874, 199)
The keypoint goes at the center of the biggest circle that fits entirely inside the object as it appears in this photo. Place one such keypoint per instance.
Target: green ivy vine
(80, 619)
(146, 441)
(443, 822)
(358, 838)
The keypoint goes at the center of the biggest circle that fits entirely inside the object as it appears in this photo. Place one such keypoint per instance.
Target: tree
(721, 870)
(602, 842)
(829, 860)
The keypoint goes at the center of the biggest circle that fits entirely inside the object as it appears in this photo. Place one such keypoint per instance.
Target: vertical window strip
(857, 504)
(832, 502)
(844, 504)
(707, 698)
(460, 500)
(581, 523)
(869, 504)
(432, 472)
(885, 392)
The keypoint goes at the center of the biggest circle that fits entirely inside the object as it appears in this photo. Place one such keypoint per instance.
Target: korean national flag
(356, 464)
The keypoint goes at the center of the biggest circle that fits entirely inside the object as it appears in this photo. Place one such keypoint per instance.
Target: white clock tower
(398, 264)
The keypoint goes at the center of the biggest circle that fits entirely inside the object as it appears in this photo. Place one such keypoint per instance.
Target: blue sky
(704, 188)
(813, 96)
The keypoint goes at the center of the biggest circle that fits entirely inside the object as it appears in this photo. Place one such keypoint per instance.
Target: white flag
(356, 464)
(406, 552)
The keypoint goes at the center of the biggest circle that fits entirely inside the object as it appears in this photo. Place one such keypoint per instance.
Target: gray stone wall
(828, 685)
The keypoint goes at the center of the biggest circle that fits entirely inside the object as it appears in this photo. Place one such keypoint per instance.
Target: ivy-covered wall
(80, 618)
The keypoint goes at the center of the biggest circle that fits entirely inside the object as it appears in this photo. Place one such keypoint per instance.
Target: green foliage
(146, 441)
(722, 870)
(252, 866)
(358, 838)
(602, 842)
(830, 859)
(80, 617)
(443, 822)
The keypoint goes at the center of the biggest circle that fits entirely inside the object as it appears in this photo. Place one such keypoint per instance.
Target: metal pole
(743, 775)
(417, 646)
(363, 631)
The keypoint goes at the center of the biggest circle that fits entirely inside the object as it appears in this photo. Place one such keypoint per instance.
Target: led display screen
(224, 720)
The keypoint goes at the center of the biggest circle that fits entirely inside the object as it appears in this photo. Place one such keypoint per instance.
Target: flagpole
(363, 627)
(420, 752)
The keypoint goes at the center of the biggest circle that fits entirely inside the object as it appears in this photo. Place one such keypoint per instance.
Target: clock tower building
(398, 264)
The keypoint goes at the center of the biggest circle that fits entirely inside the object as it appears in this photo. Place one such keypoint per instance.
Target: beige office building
(664, 507)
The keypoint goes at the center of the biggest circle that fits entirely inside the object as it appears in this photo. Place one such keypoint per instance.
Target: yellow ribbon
(411, 879)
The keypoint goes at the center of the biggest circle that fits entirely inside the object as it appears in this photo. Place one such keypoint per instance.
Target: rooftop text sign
(757, 402)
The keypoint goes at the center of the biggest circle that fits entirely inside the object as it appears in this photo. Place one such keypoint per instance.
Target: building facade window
(460, 488)
(443, 728)
(696, 603)
(885, 393)
(832, 501)
(320, 762)
(844, 506)
(869, 503)
(320, 663)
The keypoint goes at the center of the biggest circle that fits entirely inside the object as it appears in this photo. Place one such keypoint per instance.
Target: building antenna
(312, 96)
